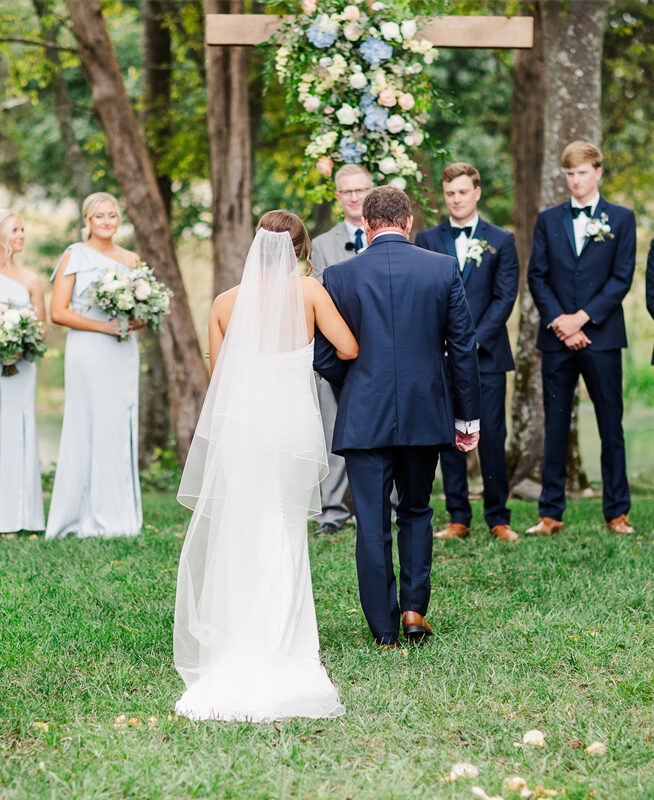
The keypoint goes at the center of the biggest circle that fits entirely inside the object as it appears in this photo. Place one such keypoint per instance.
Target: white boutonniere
(599, 229)
(476, 250)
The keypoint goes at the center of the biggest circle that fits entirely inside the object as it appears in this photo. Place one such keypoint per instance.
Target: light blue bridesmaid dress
(96, 489)
(21, 500)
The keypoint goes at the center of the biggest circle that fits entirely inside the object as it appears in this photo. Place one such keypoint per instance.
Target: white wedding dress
(245, 638)
(21, 499)
(96, 489)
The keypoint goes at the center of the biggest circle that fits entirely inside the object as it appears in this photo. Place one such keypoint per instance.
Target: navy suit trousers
(492, 437)
(602, 374)
(371, 474)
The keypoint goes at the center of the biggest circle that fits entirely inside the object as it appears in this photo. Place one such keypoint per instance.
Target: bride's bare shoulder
(224, 303)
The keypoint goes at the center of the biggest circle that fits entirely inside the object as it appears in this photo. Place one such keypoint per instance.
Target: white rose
(325, 62)
(388, 165)
(312, 103)
(11, 318)
(142, 290)
(358, 80)
(391, 30)
(395, 123)
(409, 29)
(398, 183)
(414, 139)
(352, 32)
(347, 114)
(351, 13)
(124, 301)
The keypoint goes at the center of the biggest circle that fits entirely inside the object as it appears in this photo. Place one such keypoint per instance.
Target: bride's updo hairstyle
(7, 218)
(89, 207)
(279, 221)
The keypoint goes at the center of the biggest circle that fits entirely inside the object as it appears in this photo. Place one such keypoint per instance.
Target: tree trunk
(154, 414)
(228, 119)
(573, 35)
(63, 108)
(187, 374)
(525, 449)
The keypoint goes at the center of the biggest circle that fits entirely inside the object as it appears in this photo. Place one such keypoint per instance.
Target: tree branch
(39, 43)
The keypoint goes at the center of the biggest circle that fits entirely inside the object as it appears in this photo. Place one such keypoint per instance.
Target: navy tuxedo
(397, 408)
(596, 280)
(649, 283)
(491, 290)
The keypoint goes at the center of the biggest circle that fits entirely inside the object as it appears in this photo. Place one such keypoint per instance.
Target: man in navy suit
(581, 267)
(649, 283)
(491, 284)
(398, 405)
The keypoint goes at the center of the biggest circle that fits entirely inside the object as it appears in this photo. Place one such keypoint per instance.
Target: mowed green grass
(555, 634)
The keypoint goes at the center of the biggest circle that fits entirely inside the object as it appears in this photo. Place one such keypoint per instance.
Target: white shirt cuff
(472, 426)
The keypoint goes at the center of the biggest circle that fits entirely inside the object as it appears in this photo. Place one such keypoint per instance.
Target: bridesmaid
(96, 489)
(21, 500)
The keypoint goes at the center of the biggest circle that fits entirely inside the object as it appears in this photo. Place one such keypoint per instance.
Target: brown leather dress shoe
(620, 525)
(453, 530)
(504, 533)
(415, 625)
(546, 526)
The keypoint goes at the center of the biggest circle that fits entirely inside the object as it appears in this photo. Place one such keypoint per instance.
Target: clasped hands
(465, 442)
(568, 327)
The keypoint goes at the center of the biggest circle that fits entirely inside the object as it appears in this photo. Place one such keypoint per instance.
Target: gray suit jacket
(329, 248)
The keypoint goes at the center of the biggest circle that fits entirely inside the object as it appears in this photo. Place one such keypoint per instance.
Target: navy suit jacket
(491, 288)
(402, 304)
(597, 280)
(649, 283)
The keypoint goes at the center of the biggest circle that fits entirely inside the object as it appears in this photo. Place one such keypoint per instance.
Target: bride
(245, 638)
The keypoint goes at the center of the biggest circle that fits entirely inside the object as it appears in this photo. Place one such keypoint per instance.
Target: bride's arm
(60, 312)
(215, 333)
(331, 323)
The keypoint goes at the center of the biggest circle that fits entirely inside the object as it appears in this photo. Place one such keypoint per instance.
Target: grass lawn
(555, 634)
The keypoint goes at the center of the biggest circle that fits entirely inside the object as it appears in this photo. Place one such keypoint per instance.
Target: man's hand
(577, 341)
(566, 325)
(465, 442)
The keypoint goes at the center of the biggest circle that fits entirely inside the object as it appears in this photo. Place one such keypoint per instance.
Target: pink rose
(325, 165)
(406, 101)
(309, 6)
(387, 98)
(329, 110)
(351, 13)
(142, 290)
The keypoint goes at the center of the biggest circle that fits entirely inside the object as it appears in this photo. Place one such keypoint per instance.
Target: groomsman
(649, 280)
(341, 242)
(491, 285)
(581, 267)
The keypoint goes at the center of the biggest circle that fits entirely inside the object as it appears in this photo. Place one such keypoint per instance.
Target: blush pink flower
(387, 98)
(406, 101)
(309, 6)
(325, 165)
(351, 13)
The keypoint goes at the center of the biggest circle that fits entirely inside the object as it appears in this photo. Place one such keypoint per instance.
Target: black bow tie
(576, 211)
(456, 232)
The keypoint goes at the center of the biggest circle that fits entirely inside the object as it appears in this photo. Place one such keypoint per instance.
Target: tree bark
(228, 119)
(525, 449)
(154, 414)
(186, 370)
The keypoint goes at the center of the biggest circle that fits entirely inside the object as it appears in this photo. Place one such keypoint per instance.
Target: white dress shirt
(352, 229)
(579, 224)
(462, 241)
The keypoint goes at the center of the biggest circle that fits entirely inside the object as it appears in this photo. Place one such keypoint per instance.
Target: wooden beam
(452, 31)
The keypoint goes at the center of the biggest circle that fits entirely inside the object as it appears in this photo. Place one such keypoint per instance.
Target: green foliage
(162, 472)
(552, 634)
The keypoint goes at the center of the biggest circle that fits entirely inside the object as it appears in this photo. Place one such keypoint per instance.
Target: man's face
(583, 181)
(350, 193)
(461, 198)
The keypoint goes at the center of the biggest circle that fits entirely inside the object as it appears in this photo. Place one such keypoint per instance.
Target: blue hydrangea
(351, 150)
(374, 50)
(367, 99)
(375, 118)
(320, 38)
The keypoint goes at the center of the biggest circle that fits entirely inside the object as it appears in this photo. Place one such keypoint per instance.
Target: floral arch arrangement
(354, 74)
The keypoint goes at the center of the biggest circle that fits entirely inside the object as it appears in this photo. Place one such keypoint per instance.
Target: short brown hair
(459, 168)
(386, 206)
(581, 152)
(351, 169)
(279, 221)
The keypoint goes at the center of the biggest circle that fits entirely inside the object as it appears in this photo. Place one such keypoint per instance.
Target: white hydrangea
(408, 29)
(358, 80)
(321, 144)
(388, 165)
(391, 31)
(395, 123)
(347, 114)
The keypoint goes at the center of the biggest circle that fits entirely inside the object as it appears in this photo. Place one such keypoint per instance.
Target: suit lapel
(342, 237)
(566, 214)
(600, 208)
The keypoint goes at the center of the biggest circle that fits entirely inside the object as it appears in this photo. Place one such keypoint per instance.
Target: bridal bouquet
(128, 294)
(21, 335)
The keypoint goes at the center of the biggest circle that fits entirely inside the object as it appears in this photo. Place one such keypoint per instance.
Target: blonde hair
(89, 207)
(581, 152)
(6, 217)
(351, 169)
(281, 220)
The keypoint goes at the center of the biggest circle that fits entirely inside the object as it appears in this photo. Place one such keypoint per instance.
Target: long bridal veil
(245, 638)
